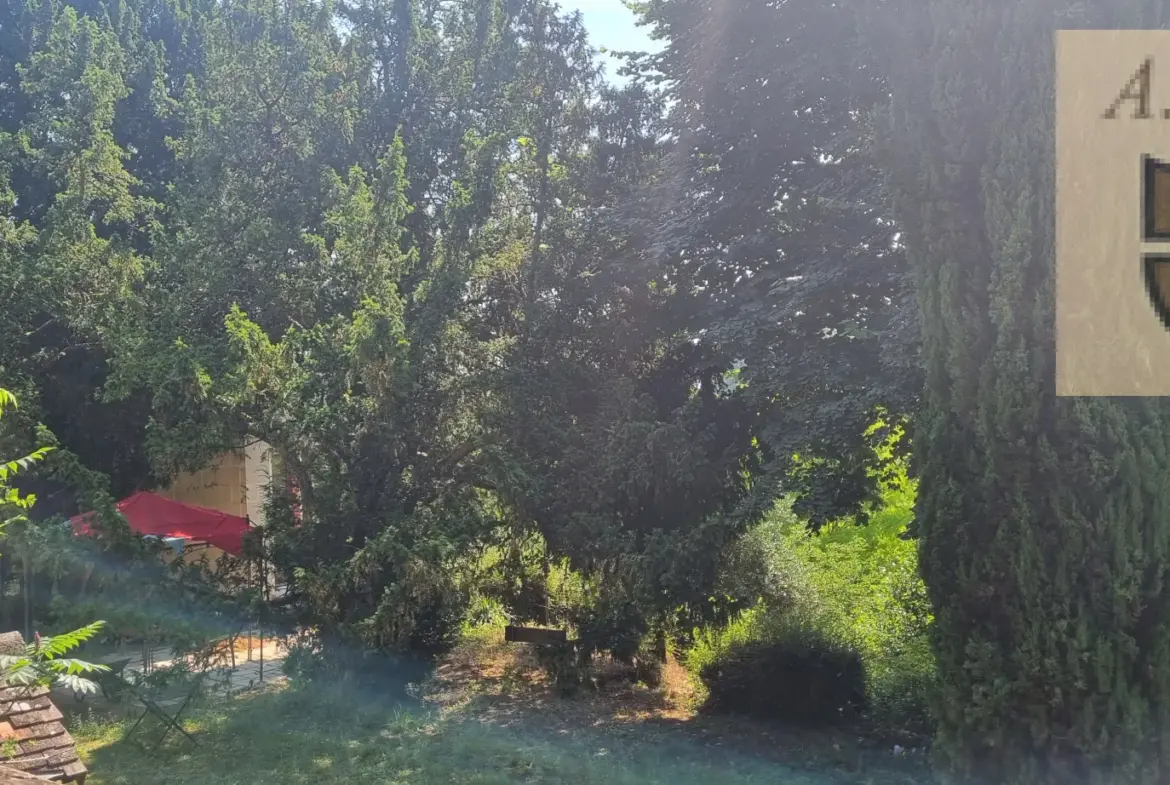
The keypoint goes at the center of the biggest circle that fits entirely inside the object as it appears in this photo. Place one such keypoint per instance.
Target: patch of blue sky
(611, 26)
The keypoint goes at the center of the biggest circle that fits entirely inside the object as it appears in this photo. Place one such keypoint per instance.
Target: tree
(771, 217)
(619, 443)
(452, 277)
(1045, 545)
(70, 216)
(331, 214)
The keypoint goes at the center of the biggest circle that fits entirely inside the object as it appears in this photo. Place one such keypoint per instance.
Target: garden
(345, 345)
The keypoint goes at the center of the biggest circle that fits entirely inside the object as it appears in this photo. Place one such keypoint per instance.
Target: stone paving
(225, 680)
(247, 673)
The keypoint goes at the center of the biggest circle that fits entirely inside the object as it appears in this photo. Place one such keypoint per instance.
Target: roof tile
(40, 731)
(25, 719)
(32, 737)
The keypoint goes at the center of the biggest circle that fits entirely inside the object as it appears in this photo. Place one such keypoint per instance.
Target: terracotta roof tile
(61, 740)
(73, 771)
(9, 776)
(32, 737)
(27, 718)
(40, 731)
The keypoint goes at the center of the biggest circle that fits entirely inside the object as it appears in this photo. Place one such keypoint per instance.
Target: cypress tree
(1044, 521)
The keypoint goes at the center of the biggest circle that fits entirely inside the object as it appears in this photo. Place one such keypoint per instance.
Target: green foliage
(870, 572)
(520, 580)
(845, 591)
(42, 663)
(71, 216)
(1045, 543)
(709, 644)
(796, 675)
(771, 208)
(305, 662)
(13, 505)
(484, 612)
(23, 464)
(416, 248)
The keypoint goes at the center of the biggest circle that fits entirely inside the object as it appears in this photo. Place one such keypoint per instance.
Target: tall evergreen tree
(72, 212)
(772, 219)
(1045, 534)
(117, 96)
(624, 448)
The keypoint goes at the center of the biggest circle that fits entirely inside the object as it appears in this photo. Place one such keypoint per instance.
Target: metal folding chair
(111, 682)
(169, 721)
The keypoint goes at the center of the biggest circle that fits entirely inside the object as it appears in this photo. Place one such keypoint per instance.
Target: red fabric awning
(149, 513)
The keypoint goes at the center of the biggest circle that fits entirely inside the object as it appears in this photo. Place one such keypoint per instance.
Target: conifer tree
(1045, 540)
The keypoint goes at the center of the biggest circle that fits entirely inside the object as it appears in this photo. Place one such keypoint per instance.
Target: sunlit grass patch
(326, 736)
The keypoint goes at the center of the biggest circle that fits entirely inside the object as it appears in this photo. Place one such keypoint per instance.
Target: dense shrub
(520, 578)
(485, 612)
(304, 660)
(618, 628)
(763, 568)
(437, 623)
(801, 676)
(900, 686)
(712, 644)
(566, 665)
(847, 593)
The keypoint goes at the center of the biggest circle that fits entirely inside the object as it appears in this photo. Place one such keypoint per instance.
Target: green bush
(437, 624)
(304, 660)
(710, 644)
(847, 593)
(765, 566)
(800, 675)
(900, 685)
(512, 575)
(485, 612)
(566, 664)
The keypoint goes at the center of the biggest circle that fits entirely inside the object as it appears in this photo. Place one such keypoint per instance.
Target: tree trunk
(89, 568)
(24, 563)
(545, 570)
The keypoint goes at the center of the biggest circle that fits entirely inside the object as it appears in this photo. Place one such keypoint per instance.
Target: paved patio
(249, 670)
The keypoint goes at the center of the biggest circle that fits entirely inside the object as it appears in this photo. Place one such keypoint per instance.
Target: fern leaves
(41, 664)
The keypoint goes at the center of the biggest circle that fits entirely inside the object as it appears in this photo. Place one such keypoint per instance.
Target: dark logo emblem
(1156, 228)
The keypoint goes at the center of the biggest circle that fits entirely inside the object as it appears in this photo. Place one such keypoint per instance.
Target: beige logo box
(1113, 212)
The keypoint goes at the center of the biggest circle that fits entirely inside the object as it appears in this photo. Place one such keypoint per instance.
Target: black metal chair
(170, 721)
(111, 683)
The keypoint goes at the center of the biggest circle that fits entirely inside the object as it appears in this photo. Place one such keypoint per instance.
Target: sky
(611, 25)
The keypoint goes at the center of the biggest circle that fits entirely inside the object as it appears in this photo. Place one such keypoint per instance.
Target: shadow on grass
(341, 733)
(504, 687)
(307, 734)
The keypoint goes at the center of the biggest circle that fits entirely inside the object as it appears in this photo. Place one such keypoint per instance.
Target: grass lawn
(484, 716)
(321, 736)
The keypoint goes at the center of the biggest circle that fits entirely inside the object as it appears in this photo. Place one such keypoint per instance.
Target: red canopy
(149, 513)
